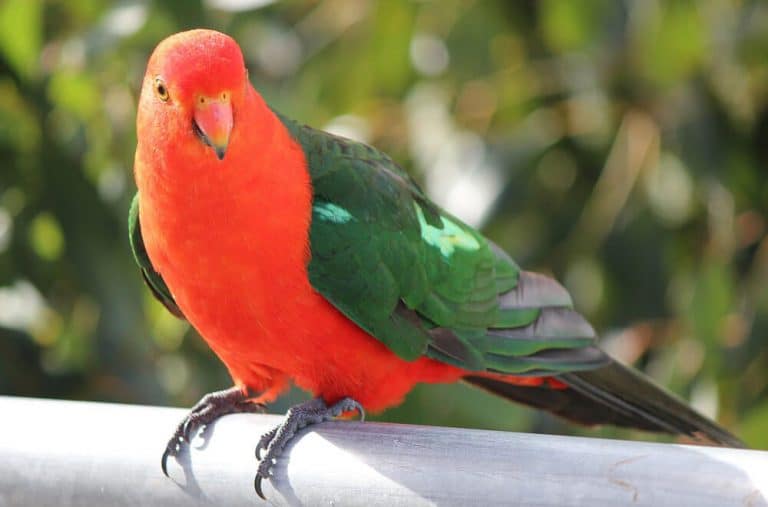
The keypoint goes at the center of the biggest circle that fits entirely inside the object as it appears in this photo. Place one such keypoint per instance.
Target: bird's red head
(194, 84)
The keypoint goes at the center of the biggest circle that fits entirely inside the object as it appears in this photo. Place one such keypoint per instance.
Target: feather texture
(381, 249)
(308, 257)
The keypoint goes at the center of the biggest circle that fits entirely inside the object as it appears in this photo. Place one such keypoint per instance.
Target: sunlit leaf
(21, 34)
(672, 45)
(46, 237)
(568, 25)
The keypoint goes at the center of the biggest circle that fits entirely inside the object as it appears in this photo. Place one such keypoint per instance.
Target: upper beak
(213, 124)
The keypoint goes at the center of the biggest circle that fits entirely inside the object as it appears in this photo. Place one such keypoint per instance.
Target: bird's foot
(208, 409)
(311, 412)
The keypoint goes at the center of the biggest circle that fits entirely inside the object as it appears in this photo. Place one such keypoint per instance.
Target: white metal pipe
(58, 453)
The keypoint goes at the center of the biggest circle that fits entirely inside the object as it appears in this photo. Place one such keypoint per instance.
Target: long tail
(613, 394)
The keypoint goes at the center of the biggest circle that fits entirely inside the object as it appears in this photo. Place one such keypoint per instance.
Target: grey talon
(300, 416)
(208, 409)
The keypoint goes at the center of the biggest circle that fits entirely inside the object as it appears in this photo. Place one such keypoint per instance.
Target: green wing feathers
(422, 281)
(152, 278)
(426, 284)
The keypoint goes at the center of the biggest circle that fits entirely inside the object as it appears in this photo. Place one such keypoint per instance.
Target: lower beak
(213, 124)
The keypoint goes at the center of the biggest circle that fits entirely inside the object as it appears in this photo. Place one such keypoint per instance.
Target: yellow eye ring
(161, 89)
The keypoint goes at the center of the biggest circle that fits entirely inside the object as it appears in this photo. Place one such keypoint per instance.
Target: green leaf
(567, 25)
(21, 35)
(672, 46)
(46, 237)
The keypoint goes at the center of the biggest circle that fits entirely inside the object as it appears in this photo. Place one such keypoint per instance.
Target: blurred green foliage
(621, 146)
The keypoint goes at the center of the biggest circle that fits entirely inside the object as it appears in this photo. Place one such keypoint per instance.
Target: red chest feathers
(230, 238)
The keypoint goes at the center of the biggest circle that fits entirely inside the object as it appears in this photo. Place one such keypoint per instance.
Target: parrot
(306, 258)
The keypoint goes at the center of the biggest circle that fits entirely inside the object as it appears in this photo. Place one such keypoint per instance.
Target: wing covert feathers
(420, 280)
(151, 277)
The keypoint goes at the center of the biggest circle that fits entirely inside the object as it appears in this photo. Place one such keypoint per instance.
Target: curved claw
(208, 409)
(257, 487)
(171, 449)
(262, 473)
(164, 462)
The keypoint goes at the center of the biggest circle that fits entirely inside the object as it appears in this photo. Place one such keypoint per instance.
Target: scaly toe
(274, 441)
(208, 409)
(264, 441)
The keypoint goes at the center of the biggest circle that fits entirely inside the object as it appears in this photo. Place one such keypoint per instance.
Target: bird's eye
(161, 89)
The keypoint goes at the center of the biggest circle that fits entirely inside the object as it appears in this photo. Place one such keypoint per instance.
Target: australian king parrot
(300, 256)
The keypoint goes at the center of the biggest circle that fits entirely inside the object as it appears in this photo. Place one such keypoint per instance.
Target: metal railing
(62, 453)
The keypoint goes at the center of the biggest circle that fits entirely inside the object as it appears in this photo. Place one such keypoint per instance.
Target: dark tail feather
(614, 394)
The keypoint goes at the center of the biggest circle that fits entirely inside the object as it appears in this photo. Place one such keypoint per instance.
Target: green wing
(423, 282)
(151, 277)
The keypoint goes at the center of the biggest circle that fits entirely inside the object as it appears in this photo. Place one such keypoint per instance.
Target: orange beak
(213, 124)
